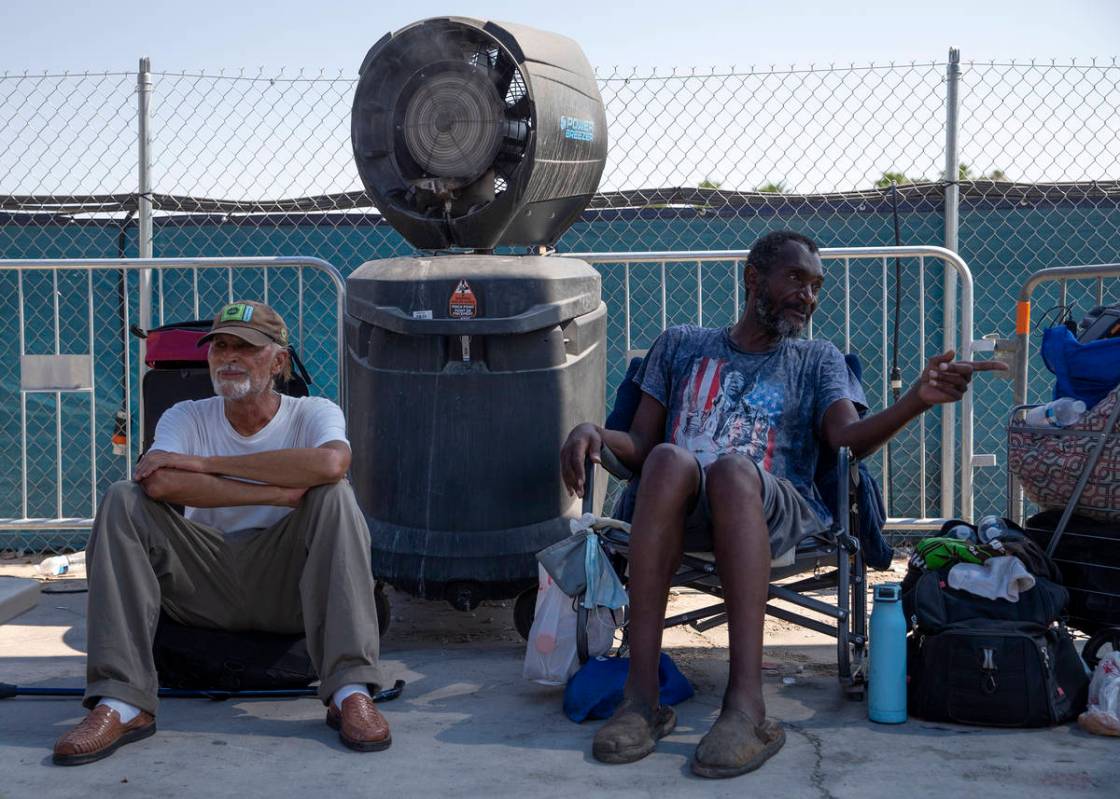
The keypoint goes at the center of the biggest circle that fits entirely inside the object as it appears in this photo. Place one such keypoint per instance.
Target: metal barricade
(74, 366)
(663, 288)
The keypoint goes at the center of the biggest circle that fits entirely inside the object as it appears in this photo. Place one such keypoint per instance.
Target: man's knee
(121, 499)
(338, 499)
(122, 492)
(670, 476)
(339, 492)
(668, 464)
(734, 477)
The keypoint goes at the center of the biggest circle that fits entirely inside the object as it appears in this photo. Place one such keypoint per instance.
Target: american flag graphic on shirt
(721, 412)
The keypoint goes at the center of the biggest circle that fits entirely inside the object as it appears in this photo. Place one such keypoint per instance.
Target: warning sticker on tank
(463, 304)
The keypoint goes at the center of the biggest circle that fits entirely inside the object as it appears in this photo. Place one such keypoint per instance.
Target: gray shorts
(788, 516)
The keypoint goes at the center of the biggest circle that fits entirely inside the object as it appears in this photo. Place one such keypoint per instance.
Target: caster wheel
(524, 608)
(1100, 646)
(381, 605)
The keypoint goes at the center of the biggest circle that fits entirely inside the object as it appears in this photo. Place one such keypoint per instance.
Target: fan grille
(453, 121)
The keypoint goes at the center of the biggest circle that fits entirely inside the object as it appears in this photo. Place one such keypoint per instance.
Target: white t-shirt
(200, 427)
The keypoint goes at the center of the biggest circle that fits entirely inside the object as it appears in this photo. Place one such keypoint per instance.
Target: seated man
(726, 437)
(272, 539)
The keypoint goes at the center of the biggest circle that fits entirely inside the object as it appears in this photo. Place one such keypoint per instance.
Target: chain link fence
(260, 165)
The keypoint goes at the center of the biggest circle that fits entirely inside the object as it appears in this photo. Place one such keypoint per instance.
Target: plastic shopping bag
(550, 655)
(1103, 715)
(579, 565)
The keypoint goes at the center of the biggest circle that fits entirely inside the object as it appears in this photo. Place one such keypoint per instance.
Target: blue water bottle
(886, 699)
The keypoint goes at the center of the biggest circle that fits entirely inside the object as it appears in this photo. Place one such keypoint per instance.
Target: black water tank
(464, 375)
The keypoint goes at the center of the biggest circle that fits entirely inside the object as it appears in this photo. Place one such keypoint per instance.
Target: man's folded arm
(210, 491)
(290, 468)
(293, 468)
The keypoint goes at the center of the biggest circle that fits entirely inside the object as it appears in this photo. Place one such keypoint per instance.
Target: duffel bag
(996, 673)
(931, 604)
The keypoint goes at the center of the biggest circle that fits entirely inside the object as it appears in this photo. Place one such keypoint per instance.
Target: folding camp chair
(834, 558)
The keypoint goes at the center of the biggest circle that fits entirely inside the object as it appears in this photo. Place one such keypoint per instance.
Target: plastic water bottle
(990, 528)
(886, 700)
(1062, 412)
(962, 532)
(61, 564)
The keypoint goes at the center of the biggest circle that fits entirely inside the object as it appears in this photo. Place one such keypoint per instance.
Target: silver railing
(1093, 293)
(76, 356)
(866, 267)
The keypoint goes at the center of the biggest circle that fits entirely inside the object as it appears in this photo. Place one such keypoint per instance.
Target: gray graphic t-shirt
(768, 406)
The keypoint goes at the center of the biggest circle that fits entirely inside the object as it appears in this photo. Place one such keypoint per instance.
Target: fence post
(144, 215)
(949, 317)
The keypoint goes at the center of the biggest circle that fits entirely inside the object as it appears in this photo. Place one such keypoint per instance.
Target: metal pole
(949, 311)
(886, 461)
(144, 215)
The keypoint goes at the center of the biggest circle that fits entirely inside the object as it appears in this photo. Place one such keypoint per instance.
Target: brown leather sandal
(100, 734)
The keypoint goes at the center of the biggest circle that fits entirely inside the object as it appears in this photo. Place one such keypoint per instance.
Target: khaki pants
(309, 572)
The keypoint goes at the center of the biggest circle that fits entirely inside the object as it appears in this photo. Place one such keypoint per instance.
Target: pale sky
(216, 34)
(288, 134)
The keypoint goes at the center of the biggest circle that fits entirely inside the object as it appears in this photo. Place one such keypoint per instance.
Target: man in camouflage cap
(271, 539)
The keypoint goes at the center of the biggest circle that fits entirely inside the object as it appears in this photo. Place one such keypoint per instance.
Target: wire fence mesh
(70, 436)
(247, 164)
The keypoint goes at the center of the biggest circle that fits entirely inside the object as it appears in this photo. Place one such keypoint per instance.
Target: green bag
(937, 553)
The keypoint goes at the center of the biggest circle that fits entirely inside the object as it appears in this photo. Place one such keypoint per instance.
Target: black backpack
(931, 604)
(972, 660)
(996, 673)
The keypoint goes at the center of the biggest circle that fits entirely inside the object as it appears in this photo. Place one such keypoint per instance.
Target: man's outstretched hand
(945, 380)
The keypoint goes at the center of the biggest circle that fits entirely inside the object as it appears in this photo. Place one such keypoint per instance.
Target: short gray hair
(286, 372)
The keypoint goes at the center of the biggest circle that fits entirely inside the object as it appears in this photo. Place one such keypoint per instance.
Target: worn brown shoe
(632, 732)
(736, 745)
(360, 724)
(99, 734)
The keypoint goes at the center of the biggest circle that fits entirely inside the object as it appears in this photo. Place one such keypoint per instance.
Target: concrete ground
(469, 725)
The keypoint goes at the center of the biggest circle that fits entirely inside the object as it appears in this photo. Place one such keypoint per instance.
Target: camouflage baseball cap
(254, 322)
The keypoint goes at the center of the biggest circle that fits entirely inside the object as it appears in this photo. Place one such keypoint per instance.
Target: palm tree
(708, 183)
(773, 187)
(888, 178)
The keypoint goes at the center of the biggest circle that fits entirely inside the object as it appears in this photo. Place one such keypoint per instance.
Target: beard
(776, 323)
(234, 388)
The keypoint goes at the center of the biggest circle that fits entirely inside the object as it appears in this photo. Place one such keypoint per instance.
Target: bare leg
(670, 479)
(742, 550)
(742, 738)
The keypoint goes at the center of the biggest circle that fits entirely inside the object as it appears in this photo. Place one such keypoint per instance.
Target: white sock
(348, 690)
(127, 712)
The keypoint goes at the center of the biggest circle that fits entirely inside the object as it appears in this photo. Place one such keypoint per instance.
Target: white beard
(232, 389)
